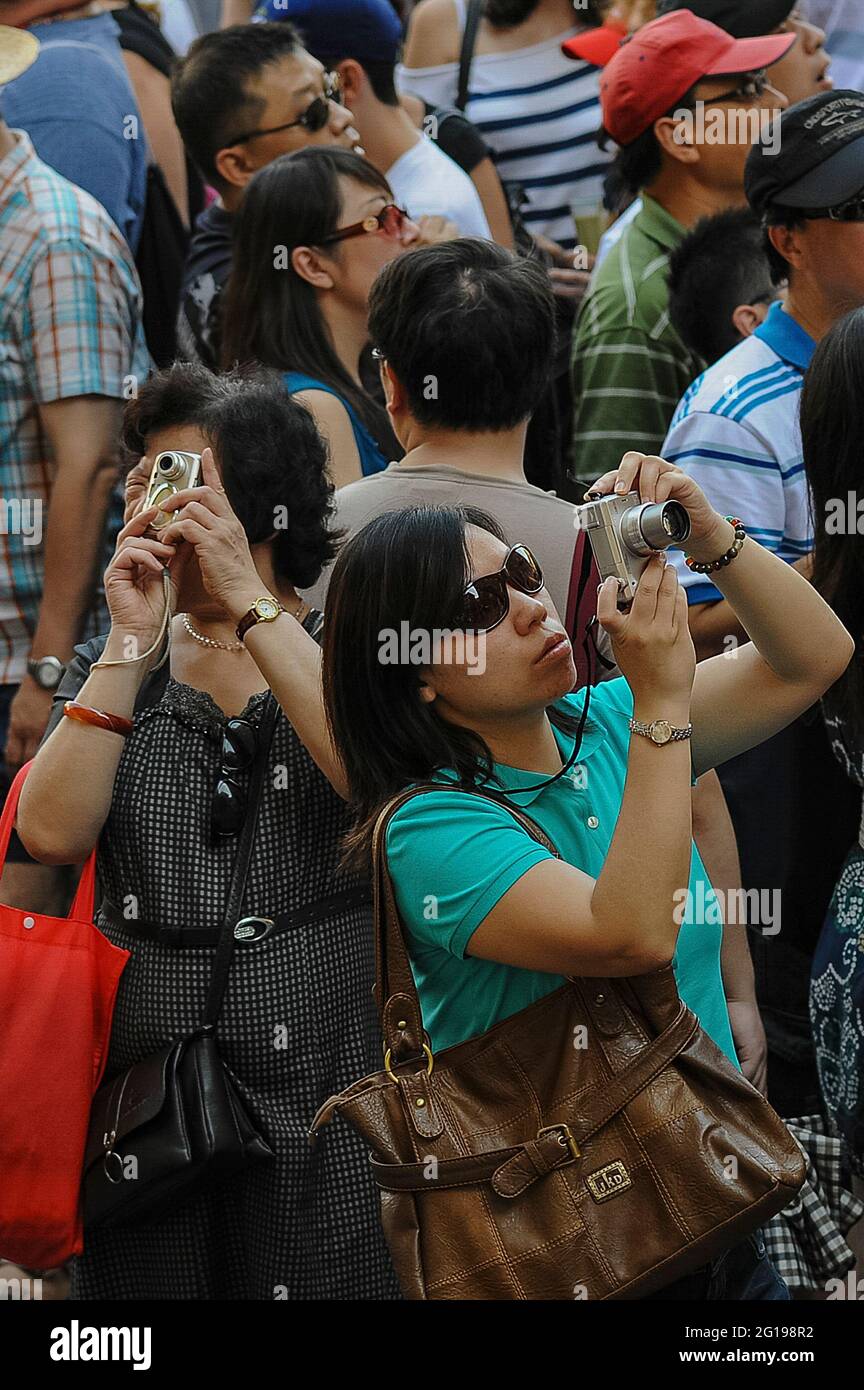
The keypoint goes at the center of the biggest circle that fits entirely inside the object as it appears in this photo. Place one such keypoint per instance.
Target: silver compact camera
(172, 472)
(625, 532)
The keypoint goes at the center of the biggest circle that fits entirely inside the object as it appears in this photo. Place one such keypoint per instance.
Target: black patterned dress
(297, 1023)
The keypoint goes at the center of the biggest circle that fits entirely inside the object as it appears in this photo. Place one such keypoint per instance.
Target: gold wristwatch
(263, 610)
(660, 731)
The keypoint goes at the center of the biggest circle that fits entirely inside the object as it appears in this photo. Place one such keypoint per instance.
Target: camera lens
(170, 466)
(654, 526)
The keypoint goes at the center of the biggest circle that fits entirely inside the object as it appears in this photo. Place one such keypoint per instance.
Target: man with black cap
(736, 431)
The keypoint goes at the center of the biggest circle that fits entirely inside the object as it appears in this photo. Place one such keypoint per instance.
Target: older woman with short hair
(165, 805)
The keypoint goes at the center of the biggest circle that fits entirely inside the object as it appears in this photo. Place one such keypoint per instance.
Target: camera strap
(574, 607)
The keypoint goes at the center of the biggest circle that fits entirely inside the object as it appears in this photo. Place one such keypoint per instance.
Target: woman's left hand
(657, 481)
(748, 1033)
(205, 519)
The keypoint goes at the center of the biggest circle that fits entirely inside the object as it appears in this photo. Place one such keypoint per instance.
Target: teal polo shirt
(453, 856)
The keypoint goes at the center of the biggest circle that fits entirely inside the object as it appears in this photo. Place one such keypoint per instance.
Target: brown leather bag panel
(676, 1155)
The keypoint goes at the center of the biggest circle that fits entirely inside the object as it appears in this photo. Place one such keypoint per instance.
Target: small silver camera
(625, 532)
(172, 472)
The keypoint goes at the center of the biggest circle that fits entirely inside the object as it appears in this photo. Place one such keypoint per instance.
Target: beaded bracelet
(734, 549)
(114, 723)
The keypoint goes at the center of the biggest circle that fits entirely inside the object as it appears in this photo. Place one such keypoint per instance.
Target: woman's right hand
(134, 588)
(651, 641)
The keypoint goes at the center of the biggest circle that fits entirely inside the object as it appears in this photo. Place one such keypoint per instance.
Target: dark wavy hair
(271, 314)
(832, 425)
(405, 566)
(269, 450)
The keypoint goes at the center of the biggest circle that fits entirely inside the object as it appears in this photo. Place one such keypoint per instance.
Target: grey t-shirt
(545, 523)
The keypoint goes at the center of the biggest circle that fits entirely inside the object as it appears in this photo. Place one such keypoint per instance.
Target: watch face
(266, 609)
(47, 672)
(661, 731)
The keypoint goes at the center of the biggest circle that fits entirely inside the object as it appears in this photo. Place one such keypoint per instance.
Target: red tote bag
(58, 983)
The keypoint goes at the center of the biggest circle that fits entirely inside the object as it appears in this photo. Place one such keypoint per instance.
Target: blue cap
(368, 30)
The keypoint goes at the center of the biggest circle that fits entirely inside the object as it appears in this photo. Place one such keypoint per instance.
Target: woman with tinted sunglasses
(302, 307)
(495, 921)
(167, 804)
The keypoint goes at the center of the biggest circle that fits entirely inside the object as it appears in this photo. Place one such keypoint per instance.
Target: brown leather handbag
(595, 1145)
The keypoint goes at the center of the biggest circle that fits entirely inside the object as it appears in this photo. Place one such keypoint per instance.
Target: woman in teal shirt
(494, 920)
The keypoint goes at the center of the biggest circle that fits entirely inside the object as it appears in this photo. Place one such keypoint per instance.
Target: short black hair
(270, 452)
(210, 94)
(720, 264)
(469, 330)
(776, 216)
(637, 165)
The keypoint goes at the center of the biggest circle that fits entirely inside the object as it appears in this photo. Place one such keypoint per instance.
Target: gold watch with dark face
(263, 610)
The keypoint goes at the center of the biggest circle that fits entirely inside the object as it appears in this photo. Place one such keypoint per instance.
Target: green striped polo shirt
(630, 367)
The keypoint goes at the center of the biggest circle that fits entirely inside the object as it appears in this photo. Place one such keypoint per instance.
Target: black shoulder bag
(175, 1120)
(466, 53)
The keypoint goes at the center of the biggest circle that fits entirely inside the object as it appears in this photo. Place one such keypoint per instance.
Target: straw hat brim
(18, 50)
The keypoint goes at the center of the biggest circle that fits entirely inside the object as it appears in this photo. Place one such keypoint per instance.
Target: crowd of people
(410, 283)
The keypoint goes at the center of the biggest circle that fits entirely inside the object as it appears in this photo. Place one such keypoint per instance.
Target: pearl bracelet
(725, 559)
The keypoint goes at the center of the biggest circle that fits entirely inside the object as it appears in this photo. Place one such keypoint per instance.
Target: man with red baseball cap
(800, 73)
(664, 96)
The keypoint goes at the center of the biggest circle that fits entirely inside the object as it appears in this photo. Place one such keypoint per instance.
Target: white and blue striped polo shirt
(736, 432)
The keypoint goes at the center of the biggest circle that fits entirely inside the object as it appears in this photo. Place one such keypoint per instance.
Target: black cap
(743, 19)
(818, 160)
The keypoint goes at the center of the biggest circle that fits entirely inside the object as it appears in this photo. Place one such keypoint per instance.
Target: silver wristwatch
(660, 731)
(47, 671)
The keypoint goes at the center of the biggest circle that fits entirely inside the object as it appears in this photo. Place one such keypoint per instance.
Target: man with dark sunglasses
(242, 97)
(361, 41)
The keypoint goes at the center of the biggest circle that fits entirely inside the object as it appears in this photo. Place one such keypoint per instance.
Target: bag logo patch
(609, 1181)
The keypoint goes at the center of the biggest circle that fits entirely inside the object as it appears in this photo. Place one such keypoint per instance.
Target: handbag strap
(83, 902)
(466, 53)
(225, 948)
(516, 1167)
(395, 991)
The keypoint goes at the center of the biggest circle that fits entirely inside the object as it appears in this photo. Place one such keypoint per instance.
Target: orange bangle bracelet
(83, 714)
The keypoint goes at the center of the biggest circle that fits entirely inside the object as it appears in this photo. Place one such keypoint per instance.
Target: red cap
(660, 62)
(596, 46)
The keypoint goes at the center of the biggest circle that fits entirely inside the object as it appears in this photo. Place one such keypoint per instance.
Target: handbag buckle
(565, 1138)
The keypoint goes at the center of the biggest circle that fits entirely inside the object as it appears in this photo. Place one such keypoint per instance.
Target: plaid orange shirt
(70, 325)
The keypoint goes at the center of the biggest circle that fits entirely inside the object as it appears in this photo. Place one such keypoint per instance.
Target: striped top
(736, 431)
(630, 367)
(539, 113)
(70, 325)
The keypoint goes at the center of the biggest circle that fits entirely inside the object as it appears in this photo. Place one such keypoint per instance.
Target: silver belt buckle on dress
(253, 929)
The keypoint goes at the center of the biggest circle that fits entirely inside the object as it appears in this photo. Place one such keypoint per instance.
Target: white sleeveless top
(539, 112)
